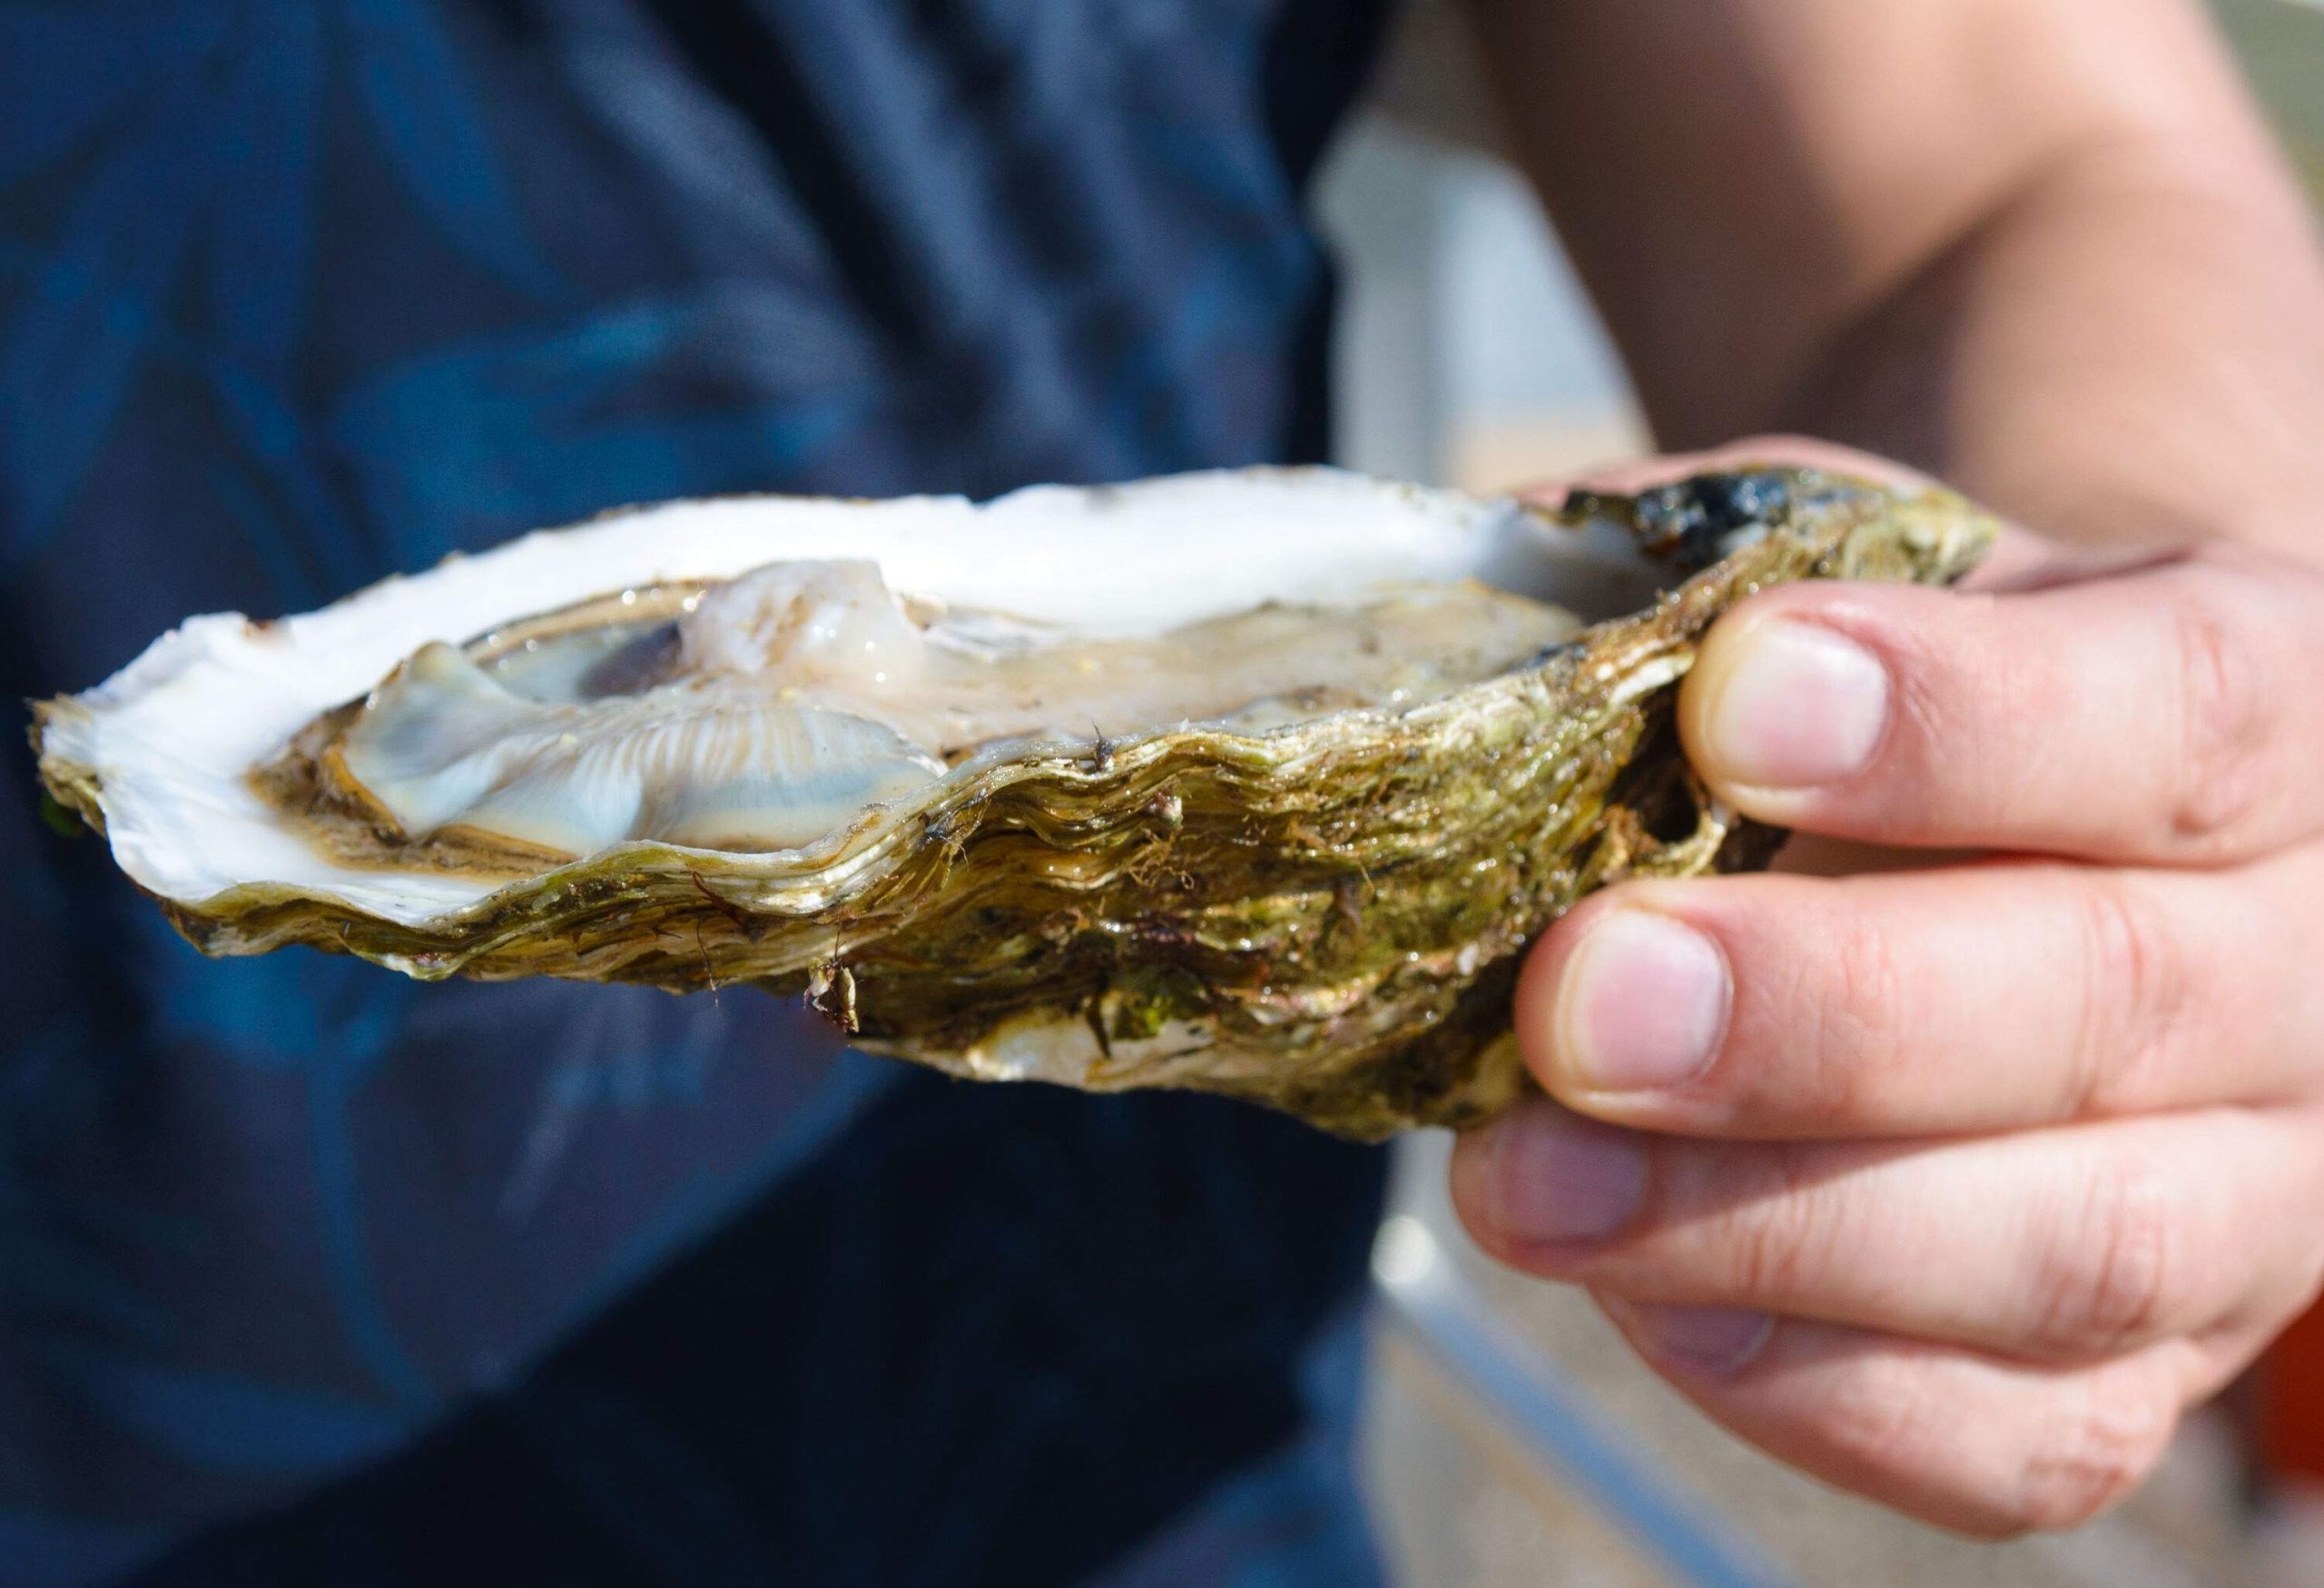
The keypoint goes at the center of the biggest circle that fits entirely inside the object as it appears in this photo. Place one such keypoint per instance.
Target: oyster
(1257, 783)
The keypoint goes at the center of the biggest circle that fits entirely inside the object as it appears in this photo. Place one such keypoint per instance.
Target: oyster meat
(1257, 782)
(762, 712)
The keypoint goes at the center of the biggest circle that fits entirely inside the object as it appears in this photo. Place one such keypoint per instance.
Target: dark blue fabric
(310, 1273)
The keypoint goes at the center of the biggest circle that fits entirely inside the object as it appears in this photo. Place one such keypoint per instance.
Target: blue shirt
(308, 1272)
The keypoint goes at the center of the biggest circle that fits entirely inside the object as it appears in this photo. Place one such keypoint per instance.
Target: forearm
(2131, 349)
(2042, 247)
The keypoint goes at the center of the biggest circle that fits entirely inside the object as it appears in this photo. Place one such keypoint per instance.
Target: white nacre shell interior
(172, 738)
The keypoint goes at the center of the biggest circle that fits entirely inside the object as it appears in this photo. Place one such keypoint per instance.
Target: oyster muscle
(1255, 782)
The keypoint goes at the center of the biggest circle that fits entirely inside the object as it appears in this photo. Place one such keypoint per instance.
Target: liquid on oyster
(766, 711)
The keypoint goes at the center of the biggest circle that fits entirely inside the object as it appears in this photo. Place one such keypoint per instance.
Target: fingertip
(1468, 1176)
(1533, 1006)
(1541, 1188)
(1709, 1342)
(1780, 708)
(1624, 1005)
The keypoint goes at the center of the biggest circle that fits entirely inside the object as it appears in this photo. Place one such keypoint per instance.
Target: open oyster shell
(1325, 915)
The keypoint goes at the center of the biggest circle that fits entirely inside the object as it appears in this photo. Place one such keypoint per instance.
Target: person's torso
(295, 294)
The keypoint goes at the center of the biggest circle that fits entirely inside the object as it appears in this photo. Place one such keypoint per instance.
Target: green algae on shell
(1324, 915)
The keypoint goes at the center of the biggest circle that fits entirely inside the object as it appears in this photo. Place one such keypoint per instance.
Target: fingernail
(1716, 1340)
(1643, 1005)
(1800, 704)
(1554, 1178)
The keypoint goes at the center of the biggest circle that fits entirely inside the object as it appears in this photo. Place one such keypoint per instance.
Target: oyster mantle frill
(1251, 782)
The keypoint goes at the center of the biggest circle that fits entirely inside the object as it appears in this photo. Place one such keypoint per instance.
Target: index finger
(2168, 714)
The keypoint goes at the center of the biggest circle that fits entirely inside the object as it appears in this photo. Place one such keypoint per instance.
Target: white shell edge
(172, 735)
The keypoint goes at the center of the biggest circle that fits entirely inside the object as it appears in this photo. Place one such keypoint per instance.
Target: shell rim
(846, 858)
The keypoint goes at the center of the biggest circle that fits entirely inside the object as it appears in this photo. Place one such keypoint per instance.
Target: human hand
(1956, 1184)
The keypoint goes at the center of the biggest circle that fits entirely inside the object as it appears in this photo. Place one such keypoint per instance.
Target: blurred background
(1510, 1438)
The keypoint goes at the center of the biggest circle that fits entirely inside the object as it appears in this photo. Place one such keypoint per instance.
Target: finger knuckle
(2106, 1278)
(2095, 1454)
(1885, 1419)
(1890, 1419)
(1780, 1237)
(1864, 1005)
(2224, 711)
(2136, 997)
